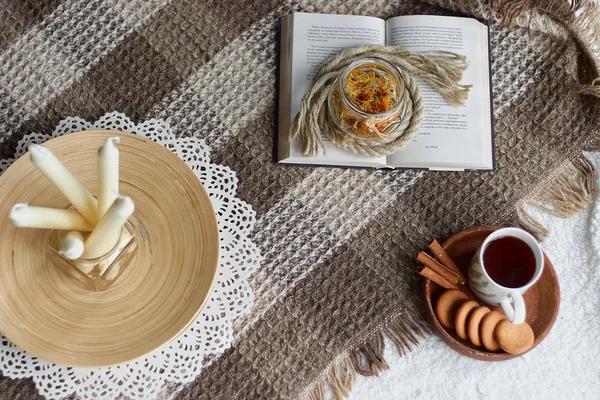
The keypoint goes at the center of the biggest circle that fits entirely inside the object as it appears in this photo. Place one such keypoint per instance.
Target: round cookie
(447, 305)
(514, 339)
(460, 322)
(474, 322)
(487, 328)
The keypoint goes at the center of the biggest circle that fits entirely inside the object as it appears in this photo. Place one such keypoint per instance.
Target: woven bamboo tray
(50, 314)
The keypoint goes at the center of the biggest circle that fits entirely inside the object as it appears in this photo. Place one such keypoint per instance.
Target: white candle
(25, 216)
(72, 245)
(106, 234)
(108, 175)
(66, 183)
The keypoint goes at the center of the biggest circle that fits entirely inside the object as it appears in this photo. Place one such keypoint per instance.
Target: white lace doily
(210, 334)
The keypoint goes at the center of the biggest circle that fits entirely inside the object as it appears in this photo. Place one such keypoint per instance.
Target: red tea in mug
(509, 262)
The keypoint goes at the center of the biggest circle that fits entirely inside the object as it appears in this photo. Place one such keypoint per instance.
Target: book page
(316, 37)
(450, 137)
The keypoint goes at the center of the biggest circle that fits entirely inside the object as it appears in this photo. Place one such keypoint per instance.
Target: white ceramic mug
(490, 292)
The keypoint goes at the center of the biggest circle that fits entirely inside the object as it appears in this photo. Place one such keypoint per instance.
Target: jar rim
(396, 73)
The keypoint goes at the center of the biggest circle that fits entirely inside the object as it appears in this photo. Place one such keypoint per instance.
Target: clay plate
(542, 299)
(46, 312)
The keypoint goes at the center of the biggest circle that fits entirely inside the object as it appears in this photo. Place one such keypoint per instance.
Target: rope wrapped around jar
(378, 133)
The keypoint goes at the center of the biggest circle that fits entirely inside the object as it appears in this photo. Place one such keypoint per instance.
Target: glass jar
(367, 99)
(100, 273)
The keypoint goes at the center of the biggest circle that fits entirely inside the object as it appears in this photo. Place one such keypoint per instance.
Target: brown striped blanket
(338, 244)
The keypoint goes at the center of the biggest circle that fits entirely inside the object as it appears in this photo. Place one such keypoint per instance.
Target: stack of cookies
(480, 325)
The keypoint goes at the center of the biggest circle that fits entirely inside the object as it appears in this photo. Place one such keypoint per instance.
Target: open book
(450, 138)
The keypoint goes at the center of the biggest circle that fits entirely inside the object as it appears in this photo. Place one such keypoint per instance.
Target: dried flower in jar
(371, 90)
(367, 98)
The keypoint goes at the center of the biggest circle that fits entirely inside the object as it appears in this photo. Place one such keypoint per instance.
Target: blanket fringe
(341, 379)
(570, 192)
(521, 219)
(592, 89)
(567, 194)
(368, 359)
(318, 392)
(582, 18)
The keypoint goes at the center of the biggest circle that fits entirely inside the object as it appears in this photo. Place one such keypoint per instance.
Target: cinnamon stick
(440, 254)
(429, 274)
(438, 268)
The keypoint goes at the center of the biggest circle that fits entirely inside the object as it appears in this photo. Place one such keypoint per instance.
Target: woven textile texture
(338, 244)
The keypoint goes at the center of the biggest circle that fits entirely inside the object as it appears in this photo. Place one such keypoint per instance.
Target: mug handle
(516, 315)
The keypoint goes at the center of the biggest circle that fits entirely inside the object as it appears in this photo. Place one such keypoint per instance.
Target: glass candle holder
(368, 98)
(100, 273)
